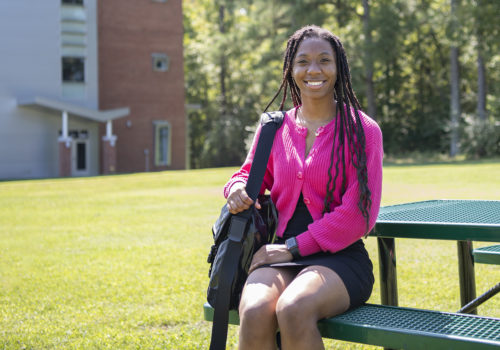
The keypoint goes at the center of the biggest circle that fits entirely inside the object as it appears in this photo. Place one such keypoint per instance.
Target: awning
(93, 114)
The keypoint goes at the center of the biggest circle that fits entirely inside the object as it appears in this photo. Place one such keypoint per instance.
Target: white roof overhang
(88, 113)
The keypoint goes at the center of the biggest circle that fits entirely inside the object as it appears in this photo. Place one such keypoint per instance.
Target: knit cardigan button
(319, 130)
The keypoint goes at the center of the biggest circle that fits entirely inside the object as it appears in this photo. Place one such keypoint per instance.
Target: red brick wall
(129, 32)
(108, 157)
(64, 159)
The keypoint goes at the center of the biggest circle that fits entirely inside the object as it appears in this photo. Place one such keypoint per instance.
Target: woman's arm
(234, 190)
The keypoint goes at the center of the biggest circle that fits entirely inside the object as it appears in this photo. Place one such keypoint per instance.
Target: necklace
(313, 126)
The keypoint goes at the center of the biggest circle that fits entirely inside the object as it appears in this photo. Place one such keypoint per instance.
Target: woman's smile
(315, 84)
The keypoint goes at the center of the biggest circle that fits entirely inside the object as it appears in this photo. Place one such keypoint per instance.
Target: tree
(418, 72)
(481, 130)
(240, 69)
(368, 61)
(481, 70)
(454, 81)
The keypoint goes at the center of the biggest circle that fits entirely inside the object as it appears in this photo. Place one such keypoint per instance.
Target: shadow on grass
(423, 159)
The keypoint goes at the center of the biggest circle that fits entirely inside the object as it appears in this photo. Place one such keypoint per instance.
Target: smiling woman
(325, 176)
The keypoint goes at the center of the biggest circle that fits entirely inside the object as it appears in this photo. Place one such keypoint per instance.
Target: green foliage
(246, 56)
(410, 53)
(119, 262)
(482, 138)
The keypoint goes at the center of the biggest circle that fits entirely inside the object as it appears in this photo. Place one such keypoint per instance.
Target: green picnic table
(463, 221)
(396, 327)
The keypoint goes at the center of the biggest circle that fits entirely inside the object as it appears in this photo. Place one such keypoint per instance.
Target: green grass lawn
(119, 262)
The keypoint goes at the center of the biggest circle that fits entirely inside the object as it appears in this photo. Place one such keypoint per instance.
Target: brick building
(141, 65)
(91, 87)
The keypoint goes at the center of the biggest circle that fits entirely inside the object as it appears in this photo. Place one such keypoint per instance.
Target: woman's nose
(313, 68)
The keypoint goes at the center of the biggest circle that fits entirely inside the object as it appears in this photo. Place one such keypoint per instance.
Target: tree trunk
(370, 93)
(454, 84)
(222, 75)
(481, 77)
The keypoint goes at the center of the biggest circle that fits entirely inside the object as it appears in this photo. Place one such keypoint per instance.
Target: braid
(349, 133)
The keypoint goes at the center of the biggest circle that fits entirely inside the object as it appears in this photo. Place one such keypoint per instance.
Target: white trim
(65, 124)
(109, 134)
(97, 115)
(109, 129)
(112, 139)
(66, 140)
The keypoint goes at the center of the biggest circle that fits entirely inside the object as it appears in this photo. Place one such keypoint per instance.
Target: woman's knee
(257, 321)
(263, 288)
(292, 312)
(255, 310)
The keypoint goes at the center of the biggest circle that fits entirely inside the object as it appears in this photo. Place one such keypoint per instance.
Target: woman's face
(314, 69)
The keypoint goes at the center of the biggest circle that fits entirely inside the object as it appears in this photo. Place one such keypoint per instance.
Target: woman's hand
(238, 199)
(270, 254)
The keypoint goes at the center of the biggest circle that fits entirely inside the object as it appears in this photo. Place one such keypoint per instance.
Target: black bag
(237, 237)
(260, 231)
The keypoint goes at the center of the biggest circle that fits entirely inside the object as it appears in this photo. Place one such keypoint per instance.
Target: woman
(325, 177)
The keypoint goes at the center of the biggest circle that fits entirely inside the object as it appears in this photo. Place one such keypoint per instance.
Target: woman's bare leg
(257, 309)
(317, 292)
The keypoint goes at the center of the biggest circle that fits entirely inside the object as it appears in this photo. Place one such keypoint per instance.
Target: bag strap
(228, 269)
(270, 122)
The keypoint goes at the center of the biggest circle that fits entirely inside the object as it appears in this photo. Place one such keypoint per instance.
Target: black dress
(352, 264)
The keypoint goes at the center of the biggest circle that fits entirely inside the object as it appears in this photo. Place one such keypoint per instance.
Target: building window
(162, 143)
(81, 156)
(72, 2)
(73, 69)
(160, 62)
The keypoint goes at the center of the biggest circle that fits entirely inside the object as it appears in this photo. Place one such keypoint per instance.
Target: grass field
(119, 262)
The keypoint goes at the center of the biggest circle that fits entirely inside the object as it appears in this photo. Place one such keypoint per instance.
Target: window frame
(82, 58)
(159, 56)
(158, 126)
(73, 2)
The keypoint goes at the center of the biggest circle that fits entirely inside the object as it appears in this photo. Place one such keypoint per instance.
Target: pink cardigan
(289, 173)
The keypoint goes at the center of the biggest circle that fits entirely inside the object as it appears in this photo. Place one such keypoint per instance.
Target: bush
(481, 138)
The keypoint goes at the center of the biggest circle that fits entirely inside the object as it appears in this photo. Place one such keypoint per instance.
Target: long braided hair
(351, 136)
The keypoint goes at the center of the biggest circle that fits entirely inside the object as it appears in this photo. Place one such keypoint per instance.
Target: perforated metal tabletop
(475, 220)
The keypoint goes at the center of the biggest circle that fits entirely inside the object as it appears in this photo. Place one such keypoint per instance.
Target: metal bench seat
(405, 328)
(487, 255)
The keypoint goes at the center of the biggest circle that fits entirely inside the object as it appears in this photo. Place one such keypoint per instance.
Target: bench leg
(387, 267)
(387, 272)
(480, 299)
(466, 274)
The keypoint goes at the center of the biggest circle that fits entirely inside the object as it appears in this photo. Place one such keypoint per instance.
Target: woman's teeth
(314, 83)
